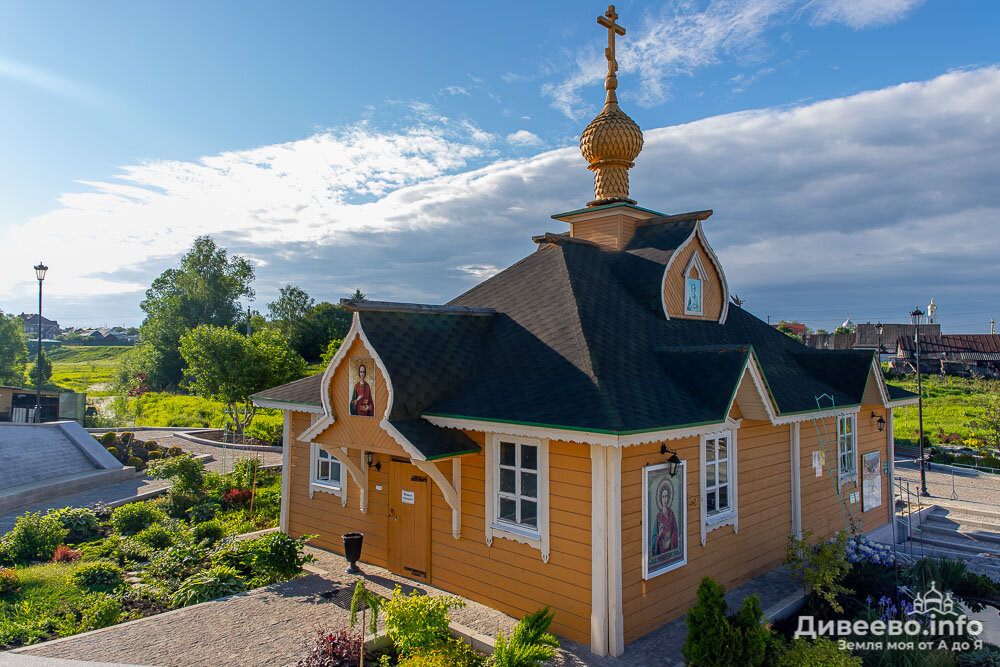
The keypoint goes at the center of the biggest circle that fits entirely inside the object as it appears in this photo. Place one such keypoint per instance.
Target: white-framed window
(847, 450)
(326, 472)
(517, 489)
(718, 482)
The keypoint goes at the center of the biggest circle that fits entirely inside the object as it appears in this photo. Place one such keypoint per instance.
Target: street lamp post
(40, 274)
(916, 316)
(878, 327)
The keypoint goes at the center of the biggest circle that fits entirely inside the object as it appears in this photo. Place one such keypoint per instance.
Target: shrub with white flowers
(862, 550)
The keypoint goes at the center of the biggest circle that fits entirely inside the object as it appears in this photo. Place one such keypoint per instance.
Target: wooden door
(409, 521)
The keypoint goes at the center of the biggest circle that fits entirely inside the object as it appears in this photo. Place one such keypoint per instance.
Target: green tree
(204, 289)
(710, 638)
(290, 309)
(46, 366)
(323, 323)
(13, 351)
(358, 295)
(225, 365)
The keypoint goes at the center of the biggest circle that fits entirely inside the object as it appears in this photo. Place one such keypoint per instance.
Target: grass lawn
(44, 599)
(162, 409)
(947, 403)
(85, 368)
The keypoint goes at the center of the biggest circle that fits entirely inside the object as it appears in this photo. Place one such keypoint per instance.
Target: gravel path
(222, 459)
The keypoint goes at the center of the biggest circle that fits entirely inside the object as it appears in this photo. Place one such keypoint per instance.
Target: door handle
(392, 514)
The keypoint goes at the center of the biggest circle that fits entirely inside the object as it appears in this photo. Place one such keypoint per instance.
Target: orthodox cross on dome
(611, 82)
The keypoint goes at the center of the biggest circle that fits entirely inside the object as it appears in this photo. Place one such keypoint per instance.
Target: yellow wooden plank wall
(511, 576)
(323, 514)
(712, 296)
(821, 513)
(764, 504)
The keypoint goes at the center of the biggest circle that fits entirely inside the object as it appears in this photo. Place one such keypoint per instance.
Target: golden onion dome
(611, 136)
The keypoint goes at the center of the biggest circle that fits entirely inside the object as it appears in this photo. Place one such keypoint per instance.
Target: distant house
(965, 355)
(866, 337)
(796, 328)
(50, 328)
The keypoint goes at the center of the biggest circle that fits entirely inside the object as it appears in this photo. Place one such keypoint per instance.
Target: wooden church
(596, 428)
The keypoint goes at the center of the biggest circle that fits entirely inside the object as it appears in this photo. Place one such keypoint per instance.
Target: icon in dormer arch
(362, 384)
(694, 275)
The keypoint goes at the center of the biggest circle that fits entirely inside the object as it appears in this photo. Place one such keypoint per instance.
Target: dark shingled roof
(305, 391)
(578, 340)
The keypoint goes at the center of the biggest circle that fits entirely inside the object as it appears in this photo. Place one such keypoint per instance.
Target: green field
(87, 369)
(162, 409)
(947, 404)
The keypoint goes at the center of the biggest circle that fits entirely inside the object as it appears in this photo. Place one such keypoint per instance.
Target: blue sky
(411, 149)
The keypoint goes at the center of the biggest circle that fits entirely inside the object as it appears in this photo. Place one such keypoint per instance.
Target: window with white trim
(517, 487)
(327, 473)
(718, 473)
(719, 492)
(517, 491)
(847, 451)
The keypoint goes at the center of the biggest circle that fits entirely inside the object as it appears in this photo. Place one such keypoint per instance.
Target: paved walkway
(222, 459)
(970, 487)
(276, 625)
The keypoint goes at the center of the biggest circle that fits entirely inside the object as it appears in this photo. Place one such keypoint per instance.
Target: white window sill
(334, 489)
(720, 518)
(848, 477)
(517, 534)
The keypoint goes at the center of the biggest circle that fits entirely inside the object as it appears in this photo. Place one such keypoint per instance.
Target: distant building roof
(967, 347)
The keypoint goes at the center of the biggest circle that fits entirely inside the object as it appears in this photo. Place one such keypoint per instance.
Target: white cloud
(861, 13)
(686, 35)
(524, 138)
(887, 197)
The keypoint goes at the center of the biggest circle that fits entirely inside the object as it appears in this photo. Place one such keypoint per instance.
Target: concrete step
(960, 512)
(959, 543)
(959, 531)
(990, 566)
(16, 497)
(963, 521)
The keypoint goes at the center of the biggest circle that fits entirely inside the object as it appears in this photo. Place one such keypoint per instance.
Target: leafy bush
(530, 643)
(203, 512)
(237, 497)
(8, 581)
(151, 446)
(267, 505)
(172, 566)
(340, 648)
(209, 530)
(178, 503)
(451, 653)
(126, 437)
(822, 652)
(100, 611)
(109, 548)
(136, 463)
(156, 536)
(418, 620)
(64, 554)
(245, 472)
(215, 582)
(113, 451)
(953, 575)
(155, 455)
(174, 451)
(266, 559)
(98, 576)
(820, 567)
(134, 517)
(81, 522)
(34, 537)
(184, 470)
(108, 438)
(709, 637)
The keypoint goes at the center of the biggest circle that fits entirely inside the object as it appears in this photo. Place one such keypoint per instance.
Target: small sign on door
(408, 497)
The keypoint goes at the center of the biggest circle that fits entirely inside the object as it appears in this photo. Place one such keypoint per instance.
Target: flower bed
(131, 451)
(77, 569)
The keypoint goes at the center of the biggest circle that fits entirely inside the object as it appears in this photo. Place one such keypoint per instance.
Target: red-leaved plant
(65, 555)
(8, 581)
(340, 648)
(237, 497)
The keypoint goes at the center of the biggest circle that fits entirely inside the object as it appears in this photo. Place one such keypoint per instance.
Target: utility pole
(248, 321)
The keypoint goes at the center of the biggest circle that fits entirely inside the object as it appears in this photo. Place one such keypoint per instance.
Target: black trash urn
(352, 551)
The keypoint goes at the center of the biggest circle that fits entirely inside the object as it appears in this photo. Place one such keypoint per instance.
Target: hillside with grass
(87, 369)
(948, 405)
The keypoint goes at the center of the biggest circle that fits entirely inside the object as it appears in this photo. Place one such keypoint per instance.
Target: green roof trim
(439, 457)
(580, 429)
(559, 216)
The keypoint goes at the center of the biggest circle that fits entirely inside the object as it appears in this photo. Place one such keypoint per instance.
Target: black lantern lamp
(369, 458)
(40, 270)
(673, 461)
(880, 422)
